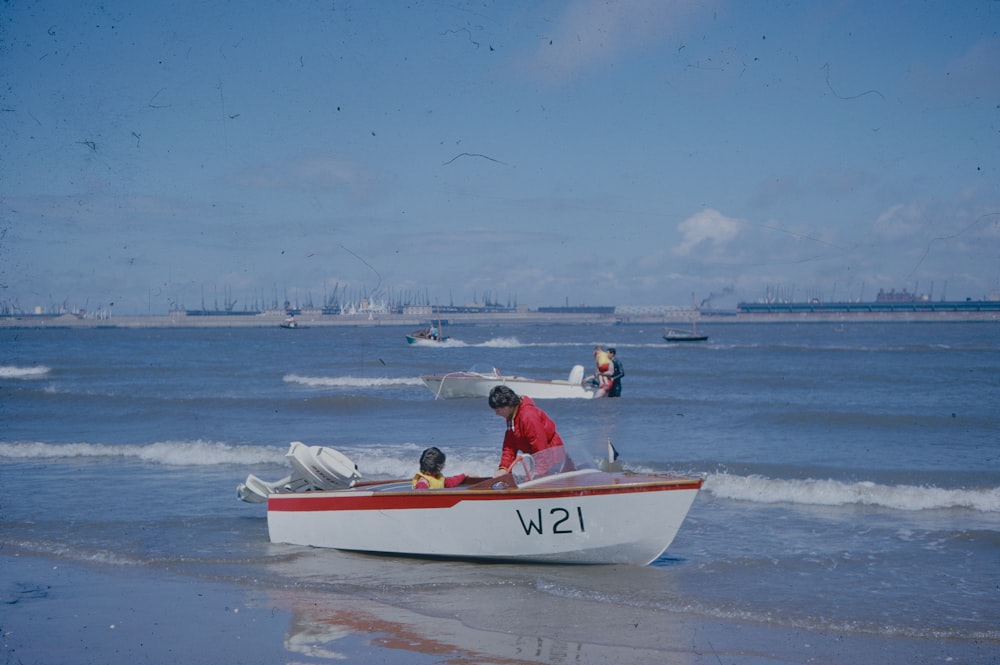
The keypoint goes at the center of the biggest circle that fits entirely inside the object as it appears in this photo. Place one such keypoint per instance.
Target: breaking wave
(14, 372)
(398, 459)
(174, 453)
(351, 381)
(758, 489)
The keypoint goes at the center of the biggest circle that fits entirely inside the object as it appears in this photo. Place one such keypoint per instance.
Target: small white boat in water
(479, 384)
(585, 516)
(426, 337)
(432, 335)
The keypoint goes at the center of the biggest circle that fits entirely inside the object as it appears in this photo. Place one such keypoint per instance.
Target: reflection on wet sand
(320, 621)
(460, 612)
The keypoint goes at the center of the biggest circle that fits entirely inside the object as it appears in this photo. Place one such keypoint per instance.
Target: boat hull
(584, 517)
(470, 384)
(684, 336)
(426, 341)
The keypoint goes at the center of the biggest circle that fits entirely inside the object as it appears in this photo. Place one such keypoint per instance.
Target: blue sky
(599, 153)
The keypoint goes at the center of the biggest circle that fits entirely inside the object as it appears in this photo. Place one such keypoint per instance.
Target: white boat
(479, 384)
(583, 516)
(426, 337)
(432, 335)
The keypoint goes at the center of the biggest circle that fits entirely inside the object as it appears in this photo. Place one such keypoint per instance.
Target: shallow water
(852, 472)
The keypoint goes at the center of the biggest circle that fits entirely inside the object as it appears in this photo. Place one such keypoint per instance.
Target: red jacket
(531, 431)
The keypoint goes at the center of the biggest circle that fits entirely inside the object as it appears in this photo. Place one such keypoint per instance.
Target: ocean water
(852, 471)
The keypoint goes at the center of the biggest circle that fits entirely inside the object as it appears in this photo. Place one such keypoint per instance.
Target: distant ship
(891, 301)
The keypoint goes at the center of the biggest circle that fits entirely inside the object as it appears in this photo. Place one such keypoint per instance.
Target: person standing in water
(617, 373)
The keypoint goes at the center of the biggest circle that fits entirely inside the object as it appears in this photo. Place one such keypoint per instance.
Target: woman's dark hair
(503, 396)
(432, 461)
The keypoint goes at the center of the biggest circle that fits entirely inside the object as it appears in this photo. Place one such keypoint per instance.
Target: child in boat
(430, 476)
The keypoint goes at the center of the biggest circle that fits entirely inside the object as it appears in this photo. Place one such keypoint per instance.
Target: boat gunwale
(446, 498)
(496, 377)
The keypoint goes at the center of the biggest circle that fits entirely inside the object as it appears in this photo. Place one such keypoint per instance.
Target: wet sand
(55, 611)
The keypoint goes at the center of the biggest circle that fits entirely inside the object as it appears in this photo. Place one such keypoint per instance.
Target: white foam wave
(397, 461)
(759, 489)
(351, 381)
(15, 372)
(502, 343)
(174, 453)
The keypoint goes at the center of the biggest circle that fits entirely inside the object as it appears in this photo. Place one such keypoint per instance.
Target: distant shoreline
(318, 320)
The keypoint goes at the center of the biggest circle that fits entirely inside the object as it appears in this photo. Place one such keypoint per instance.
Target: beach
(59, 612)
(850, 510)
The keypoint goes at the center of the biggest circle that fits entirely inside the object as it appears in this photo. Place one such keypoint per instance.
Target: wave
(394, 461)
(494, 343)
(399, 460)
(759, 489)
(351, 381)
(173, 453)
(502, 343)
(14, 372)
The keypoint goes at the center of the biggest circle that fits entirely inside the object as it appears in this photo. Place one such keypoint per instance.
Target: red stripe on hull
(348, 500)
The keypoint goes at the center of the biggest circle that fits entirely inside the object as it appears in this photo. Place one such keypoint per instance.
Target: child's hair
(432, 461)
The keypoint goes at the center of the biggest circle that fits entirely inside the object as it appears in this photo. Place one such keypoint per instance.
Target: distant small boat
(674, 335)
(426, 336)
(289, 322)
(430, 335)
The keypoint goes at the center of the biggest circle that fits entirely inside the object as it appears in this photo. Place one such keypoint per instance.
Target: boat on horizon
(692, 335)
(479, 384)
(674, 335)
(574, 516)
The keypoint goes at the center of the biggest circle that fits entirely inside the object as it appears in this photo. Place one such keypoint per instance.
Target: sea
(851, 470)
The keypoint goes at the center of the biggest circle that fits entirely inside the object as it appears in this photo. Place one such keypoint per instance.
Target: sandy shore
(70, 613)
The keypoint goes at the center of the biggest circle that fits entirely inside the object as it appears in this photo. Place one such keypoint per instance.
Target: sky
(190, 154)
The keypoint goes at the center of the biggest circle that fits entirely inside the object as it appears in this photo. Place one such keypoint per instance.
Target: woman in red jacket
(529, 430)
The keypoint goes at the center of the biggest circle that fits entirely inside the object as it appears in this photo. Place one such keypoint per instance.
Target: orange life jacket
(435, 482)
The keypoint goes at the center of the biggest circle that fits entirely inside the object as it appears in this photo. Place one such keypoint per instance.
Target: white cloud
(706, 227)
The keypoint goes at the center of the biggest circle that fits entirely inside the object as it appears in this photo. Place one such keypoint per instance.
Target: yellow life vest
(434, 482)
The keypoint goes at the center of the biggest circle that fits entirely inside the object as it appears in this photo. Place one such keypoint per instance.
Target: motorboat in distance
(479, 384)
